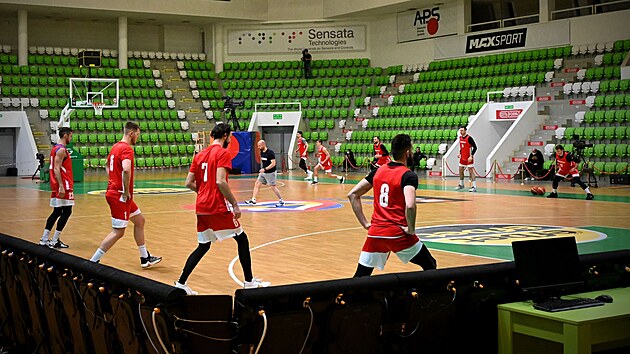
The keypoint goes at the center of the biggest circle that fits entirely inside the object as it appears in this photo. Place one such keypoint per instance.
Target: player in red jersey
(324, 163)
(302, 150)
(566, 164)
(393, 224)
(467, 149)
(381, 155)
(61, 185)
(119, 196)
(216, 207)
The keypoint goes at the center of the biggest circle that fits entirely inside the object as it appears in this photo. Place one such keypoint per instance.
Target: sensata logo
(501, 234)
(428, 18)
(496, 40)
(330, 34)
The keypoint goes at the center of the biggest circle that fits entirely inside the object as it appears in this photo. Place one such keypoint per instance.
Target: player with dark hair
(381, 155)
(61, 186)
(266, 174)
(324, 163)
(392, 228)
(302, 150)
(467, 149)
(566, 164)
(307, 59)
(216, 207)
(119, 196)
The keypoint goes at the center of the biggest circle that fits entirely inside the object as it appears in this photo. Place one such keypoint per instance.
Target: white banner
(430, 22)
(540, 35)
(289, 40)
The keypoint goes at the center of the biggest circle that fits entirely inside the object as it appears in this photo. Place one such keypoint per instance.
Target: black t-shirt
(265, 159)
(408, 179)
(306, 58)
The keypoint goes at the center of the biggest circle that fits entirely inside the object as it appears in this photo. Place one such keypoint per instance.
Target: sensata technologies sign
(295, 39)
(496, 40)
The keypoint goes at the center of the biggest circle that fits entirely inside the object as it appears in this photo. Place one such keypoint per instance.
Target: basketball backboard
(84, 91)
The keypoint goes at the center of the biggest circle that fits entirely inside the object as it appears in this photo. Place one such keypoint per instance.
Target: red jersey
(210, 200)
(120, 151)
(324, 159)
(65, 169)
(565, 164)
(379, 149)
(464, 148)
(302, 146)
(389, 201)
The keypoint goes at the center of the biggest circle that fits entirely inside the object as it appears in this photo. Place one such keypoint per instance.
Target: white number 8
(383, 198)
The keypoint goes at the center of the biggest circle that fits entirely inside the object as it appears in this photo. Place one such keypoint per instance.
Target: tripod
(230, 115)
(587, 169)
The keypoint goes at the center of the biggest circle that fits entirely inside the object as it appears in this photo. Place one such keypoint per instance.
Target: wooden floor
(296, 246)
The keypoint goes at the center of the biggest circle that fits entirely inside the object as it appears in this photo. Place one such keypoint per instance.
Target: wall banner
(294, 39)
(496, 40)
(431, 22)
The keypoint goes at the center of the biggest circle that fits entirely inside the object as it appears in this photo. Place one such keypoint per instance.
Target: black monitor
(89, 58)
(547, 267)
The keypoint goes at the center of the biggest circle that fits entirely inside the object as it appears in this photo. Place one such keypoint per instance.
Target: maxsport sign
(496, 40)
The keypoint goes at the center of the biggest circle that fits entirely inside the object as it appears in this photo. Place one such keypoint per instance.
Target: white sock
(97, 255)
(56, 236)
(314, 179)
(143, 251)
(474, 184)
(45, 235)
(554, 191)
(461, 182)
(588, 190)
(254, 200)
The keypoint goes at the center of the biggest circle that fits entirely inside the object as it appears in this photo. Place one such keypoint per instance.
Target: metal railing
(589, 9)
(506, 22)
(298, 104)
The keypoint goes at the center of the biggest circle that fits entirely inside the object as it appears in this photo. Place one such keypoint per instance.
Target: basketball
(537, 190)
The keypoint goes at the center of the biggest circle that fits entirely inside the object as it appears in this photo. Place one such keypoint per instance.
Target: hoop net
(98, 108)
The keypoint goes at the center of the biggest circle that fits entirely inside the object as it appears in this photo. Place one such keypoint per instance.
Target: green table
(578, 331)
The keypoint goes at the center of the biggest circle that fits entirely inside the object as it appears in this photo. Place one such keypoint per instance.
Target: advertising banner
(290, 40)
(496, 40)
(430, 22)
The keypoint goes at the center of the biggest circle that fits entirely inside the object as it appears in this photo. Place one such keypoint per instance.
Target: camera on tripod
(40, 157)
(230, 104)
(579, 145)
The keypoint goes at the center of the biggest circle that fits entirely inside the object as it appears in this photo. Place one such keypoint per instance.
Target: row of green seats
(481, 71)
(208, 85)
(292, 64)
(482, 82)
(201, 75)
(614, 85)
(62, 60)
(536, 54)
(145, 127)
(620, 100)
(301, 93)
(607, 116)
(610, 167)
(612, 58)
(321, 124)
(98, 151)
(101, 138)
(434, 97)
(64, 81)
(599, 73)
(441, 121)
(442, 108)
(598, 133)
(297, 83)
(174, 161)
(199, 65)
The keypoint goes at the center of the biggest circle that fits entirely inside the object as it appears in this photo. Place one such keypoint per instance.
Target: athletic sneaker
(250, 202)
(314, 182)
(309, 176)
(554, 195)
(280, 203)
(590, 196)
(473, 189)
(146, 262)
(459, 186)
(57, 244)
(186, 288)
(342, 179)
(255, 283)
(43, 243)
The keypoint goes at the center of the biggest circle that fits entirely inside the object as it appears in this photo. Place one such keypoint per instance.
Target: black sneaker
(314, 182)
(590, 196)
(552, 195)
(57, 244)
(250, 202)
(146, 262)
(342, 179)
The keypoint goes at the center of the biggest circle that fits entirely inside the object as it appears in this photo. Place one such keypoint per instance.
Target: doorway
(278, 140)
(7, 149)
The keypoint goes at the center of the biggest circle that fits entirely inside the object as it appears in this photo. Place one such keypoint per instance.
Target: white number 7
(204, 167)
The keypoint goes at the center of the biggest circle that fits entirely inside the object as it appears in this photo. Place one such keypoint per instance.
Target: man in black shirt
(534, 163)
(307, 58)
(417, 156)
(267, 174)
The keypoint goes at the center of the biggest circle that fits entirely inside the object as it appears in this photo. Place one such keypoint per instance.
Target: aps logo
(429, 19)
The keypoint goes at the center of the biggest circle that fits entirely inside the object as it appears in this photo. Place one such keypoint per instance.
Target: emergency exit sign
(277, 116)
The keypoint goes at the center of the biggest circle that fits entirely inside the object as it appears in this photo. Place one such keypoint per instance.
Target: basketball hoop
(98, 108)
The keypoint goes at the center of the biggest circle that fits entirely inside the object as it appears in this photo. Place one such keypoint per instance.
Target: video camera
(231, 104)
(579, 145)
(40, 157)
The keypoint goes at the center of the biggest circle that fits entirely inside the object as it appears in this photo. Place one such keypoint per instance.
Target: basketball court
(315, 236)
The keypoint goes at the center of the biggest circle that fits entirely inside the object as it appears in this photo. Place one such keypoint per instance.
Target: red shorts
(383, 160)
(376, 249)
(465, 163)
(67, 200)
(211, 228)
(121, 211)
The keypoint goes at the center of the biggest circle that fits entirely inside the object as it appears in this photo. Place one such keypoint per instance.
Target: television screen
(547, 267)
